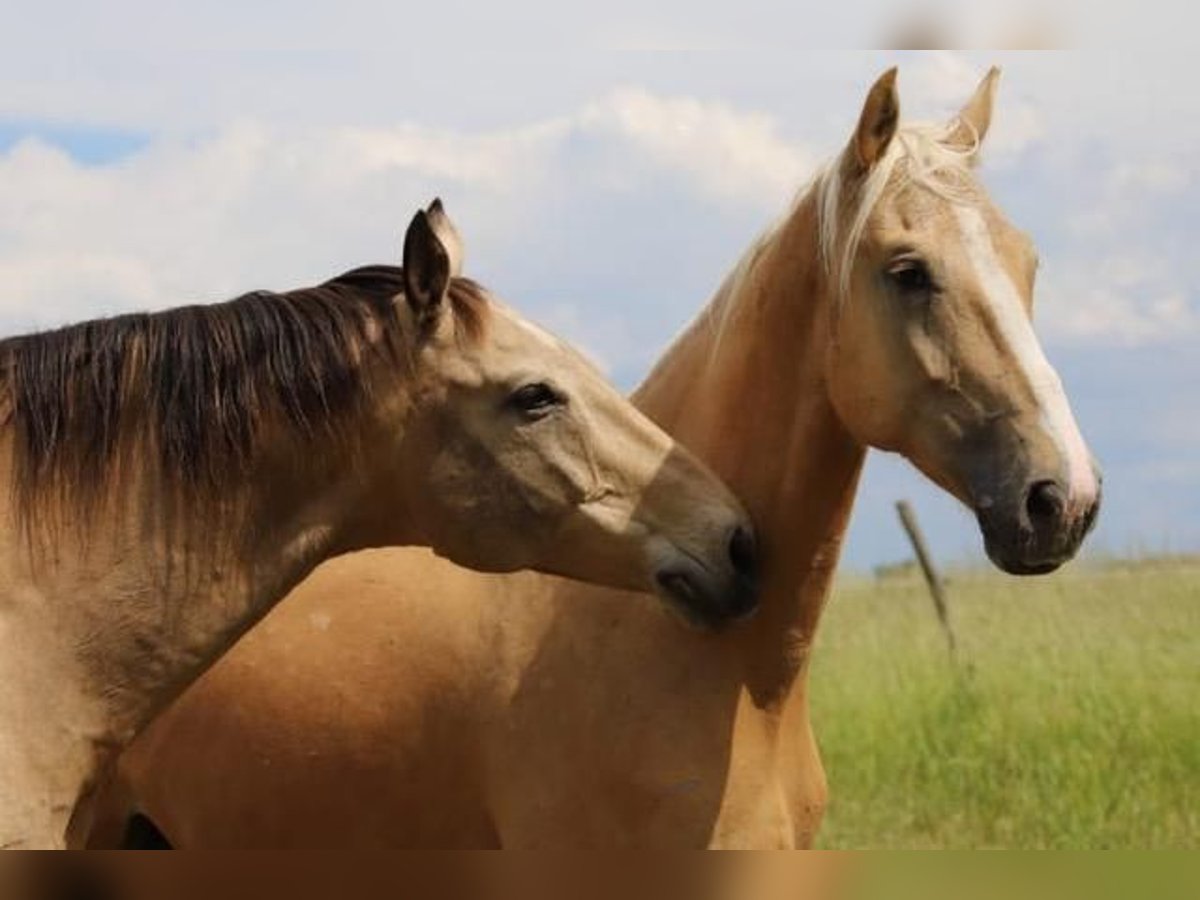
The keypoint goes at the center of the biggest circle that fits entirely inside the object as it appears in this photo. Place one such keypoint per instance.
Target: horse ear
(426, 270)
(971, 126)
(447, 234)
(878, 123)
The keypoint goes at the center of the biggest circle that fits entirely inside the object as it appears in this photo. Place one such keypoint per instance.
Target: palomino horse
(170, 477)
(890, 308)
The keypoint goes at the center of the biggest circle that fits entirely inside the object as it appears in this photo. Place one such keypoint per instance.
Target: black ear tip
(436, 206)
(419, 227)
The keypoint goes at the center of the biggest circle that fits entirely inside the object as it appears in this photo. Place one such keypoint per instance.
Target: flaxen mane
(188, 390)
(926, 156)
(920, 155)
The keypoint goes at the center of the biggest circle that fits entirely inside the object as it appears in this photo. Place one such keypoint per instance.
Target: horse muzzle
(1039, 529)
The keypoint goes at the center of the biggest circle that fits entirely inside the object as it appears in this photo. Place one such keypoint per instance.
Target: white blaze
(1017, 333)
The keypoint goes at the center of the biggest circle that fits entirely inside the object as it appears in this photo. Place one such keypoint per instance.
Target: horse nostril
(1045, 502)
(743, 552)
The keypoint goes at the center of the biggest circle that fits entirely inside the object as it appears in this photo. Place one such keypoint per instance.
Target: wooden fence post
(937, 589)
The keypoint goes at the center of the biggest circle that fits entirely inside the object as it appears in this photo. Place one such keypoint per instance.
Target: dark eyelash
(535, 399)
(911, 277)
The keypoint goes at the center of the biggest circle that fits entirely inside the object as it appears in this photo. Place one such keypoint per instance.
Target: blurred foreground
(602, 876)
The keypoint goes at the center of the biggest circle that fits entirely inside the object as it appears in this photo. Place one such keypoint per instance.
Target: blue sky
(603, 187)
(87, 144)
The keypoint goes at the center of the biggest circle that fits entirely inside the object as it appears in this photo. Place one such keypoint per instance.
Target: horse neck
(190, 578)
(745, 390)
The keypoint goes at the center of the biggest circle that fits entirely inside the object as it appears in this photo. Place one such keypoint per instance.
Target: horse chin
(702, 601)
(1017, 566)
(1014, 548)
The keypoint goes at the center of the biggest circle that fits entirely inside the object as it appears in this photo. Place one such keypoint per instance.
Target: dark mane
(188, 390)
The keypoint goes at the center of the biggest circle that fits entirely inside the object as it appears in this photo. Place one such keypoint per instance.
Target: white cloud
(1125, 273)
(1117, 298)
(491, 160)
(944, 80)
(69, 285)
(731, 154)
(1157, 176)
(1100, 316)
(253, 205)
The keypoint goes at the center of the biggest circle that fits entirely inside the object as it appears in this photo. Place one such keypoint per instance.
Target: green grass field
(1071, 718)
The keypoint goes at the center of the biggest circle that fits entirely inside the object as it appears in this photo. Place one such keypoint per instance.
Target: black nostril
(743, 552)
(1046, 502)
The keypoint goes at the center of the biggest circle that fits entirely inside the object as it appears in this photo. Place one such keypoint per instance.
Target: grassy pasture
(1071, 718)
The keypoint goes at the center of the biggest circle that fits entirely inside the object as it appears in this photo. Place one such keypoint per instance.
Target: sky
(153, 154)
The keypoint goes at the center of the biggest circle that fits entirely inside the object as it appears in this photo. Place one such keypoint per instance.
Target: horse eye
(535, 400)
(911, 276)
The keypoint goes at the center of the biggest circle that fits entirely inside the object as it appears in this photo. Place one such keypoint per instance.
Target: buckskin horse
(172, 476)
